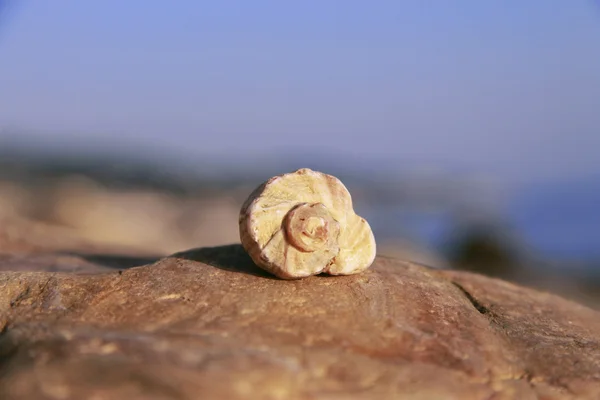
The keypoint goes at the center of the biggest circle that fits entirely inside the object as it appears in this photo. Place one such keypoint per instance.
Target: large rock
(207, 324)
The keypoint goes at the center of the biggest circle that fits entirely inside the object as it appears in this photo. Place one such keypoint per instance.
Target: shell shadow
(117, 261)
(231, 257)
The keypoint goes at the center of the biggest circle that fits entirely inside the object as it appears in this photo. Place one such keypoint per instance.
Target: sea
(558, 221)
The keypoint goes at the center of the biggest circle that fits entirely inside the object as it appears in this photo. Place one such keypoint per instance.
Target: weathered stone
(208, 324)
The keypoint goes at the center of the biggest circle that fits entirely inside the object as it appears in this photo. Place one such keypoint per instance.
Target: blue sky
(506, 88)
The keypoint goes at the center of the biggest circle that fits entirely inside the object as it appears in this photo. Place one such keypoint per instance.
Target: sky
(506, 88)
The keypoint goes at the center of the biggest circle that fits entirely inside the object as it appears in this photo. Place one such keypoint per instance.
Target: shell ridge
(273, 236)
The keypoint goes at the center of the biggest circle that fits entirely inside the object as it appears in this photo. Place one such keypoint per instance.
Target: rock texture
(208, 324)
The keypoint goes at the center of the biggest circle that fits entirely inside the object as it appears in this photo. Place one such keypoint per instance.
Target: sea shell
(302, 223)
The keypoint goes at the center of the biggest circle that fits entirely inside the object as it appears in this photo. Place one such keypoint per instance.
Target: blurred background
(468, 132)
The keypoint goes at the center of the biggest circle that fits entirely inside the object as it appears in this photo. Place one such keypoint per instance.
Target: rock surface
(208, 324)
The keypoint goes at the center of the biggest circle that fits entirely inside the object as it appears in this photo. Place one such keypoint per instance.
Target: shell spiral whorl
(302, 223)
(310, 227)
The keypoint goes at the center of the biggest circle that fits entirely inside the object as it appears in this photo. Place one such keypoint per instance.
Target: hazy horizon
(509, 91)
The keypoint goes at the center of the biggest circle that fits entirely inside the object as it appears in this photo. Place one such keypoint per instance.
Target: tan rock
(209, 324)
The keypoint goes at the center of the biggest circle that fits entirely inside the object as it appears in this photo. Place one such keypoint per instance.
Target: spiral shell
(302, 223)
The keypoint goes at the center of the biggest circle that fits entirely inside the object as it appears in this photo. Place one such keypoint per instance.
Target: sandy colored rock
(209, 324)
